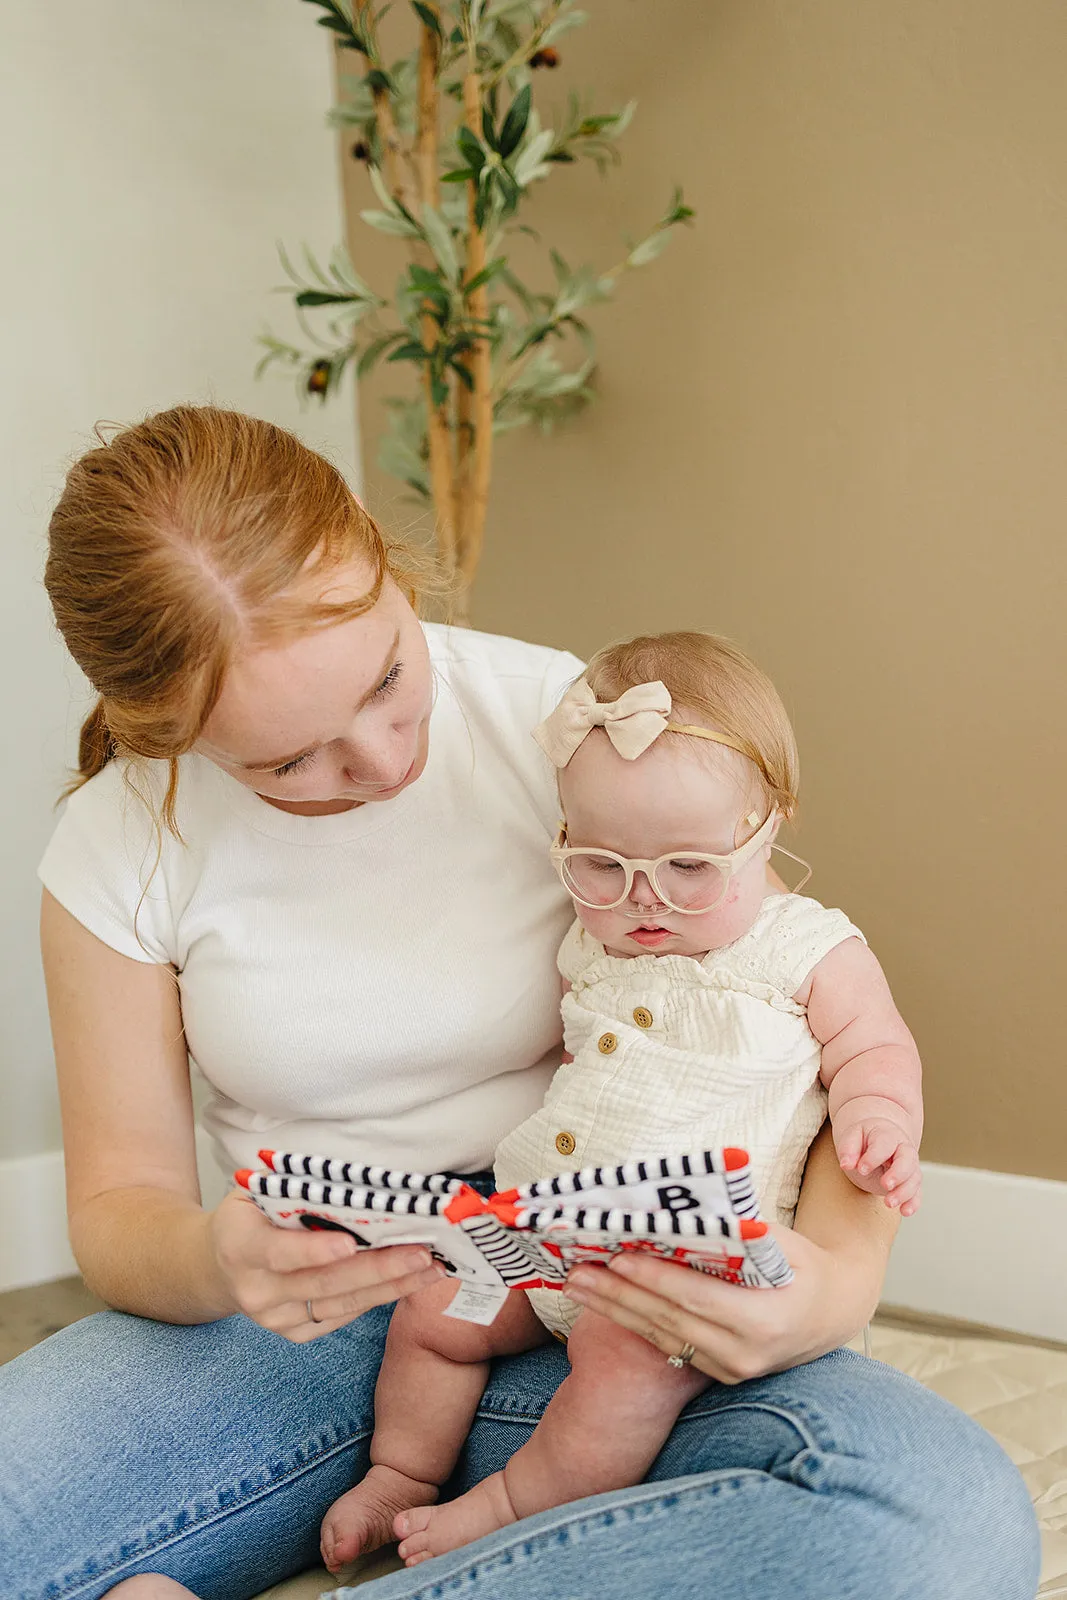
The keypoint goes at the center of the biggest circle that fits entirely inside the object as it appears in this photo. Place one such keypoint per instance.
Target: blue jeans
(211, 1453)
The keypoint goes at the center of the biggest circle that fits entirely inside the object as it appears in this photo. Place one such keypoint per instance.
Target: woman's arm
(838, 1247)
(133, 1197)
(137, 1229)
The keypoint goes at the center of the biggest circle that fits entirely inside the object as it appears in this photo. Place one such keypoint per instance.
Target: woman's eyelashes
(387, 685)
(293, 766)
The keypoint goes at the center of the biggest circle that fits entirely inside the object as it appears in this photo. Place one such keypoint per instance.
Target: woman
(309, 856)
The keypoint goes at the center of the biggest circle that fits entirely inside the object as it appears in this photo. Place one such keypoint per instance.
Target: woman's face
(331, 719)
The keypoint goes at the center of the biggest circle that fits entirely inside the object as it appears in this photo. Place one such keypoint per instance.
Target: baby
(699, 1010)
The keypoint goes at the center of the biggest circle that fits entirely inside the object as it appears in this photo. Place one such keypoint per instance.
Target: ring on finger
(311, 1312)
(684, 1356)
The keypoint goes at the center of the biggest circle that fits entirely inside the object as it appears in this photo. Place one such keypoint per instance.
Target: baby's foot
(431, 1530)
(362, 1519)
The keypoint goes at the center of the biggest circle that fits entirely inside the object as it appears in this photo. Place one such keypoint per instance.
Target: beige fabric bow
(632, 722)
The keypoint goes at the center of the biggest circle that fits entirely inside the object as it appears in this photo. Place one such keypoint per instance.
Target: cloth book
(697, 1210)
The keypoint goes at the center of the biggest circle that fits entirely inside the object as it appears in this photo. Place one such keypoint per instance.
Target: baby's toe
(413, 1521)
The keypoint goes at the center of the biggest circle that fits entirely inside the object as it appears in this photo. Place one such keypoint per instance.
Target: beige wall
(832, 425)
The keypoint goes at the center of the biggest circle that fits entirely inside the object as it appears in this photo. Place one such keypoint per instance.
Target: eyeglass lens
(684, 882)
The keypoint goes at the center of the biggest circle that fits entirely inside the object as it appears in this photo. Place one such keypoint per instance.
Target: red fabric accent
(467, 1203)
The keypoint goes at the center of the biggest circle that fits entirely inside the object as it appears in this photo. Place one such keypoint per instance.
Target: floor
(29, 1315)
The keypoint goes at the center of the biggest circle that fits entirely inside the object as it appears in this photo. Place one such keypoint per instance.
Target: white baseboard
(33, 1238)
(986, 1247)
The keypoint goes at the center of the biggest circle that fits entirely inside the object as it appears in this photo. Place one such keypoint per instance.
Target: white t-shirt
(379, 985)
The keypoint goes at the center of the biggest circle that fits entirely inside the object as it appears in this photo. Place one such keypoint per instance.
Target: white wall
(151, 157)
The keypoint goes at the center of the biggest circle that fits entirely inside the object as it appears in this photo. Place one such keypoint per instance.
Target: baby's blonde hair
(715, 685)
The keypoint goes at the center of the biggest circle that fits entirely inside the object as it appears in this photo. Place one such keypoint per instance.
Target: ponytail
(96, 744)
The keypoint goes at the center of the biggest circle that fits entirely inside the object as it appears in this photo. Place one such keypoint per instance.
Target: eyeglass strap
(800, 863)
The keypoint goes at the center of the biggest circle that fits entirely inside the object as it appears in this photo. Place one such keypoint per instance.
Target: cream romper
(673, 1054)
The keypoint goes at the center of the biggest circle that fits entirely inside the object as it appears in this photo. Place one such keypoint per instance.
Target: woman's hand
(838, 1251)
(737, 1333)
(272, 1273)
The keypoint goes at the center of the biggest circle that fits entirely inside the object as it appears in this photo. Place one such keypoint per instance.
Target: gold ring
(311, 1315)
(684, 1356)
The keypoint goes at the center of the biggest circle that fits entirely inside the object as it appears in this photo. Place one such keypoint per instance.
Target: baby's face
(673, 798)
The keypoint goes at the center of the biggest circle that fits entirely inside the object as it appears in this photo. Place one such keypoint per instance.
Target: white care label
(476, 1302)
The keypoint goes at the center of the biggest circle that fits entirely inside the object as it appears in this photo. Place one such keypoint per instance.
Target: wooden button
(642, 1016)
(565, 1143)
(606, 1043)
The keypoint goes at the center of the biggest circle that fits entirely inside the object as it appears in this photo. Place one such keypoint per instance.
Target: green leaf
(572, 19)
(439, 238)
(338, 23)
(531, 163)
(679, 211)
(374, 352)
(345, 275)
(515, 122)
(462, 372)
(470, 148)
(508, 189)
(559, 267)
(462, 175)
(317, 297)
(410, 350)
(649, 249)
(488, 131)
(491, 270)
(390, 222)
(378, 184)
(423, 279)
(380, 82)
(427, 16)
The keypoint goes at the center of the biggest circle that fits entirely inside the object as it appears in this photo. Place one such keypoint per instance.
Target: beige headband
(632, 722)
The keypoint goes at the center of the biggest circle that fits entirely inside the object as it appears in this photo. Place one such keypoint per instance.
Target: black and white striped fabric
(699, 1210)
(517, 1259)
(342, 1196)
(730, 1167)
(348, 1172)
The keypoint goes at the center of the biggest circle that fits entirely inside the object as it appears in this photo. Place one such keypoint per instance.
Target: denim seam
(659, 1498)
(802, 1424)
(197, 1524)
(803, 1420)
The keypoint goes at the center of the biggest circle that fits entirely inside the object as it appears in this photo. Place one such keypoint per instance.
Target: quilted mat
(1017, 1391)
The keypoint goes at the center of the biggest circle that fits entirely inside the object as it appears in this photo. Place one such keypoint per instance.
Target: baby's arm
(871, 1068)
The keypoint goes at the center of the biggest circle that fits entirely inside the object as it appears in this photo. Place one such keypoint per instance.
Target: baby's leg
(431, 1380)
(602, 1430)
(150, 1586)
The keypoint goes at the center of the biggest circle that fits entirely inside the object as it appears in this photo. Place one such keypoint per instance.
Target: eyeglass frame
(728, 864)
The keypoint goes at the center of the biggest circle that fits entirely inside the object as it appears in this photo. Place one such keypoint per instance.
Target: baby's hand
(879, 1157)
